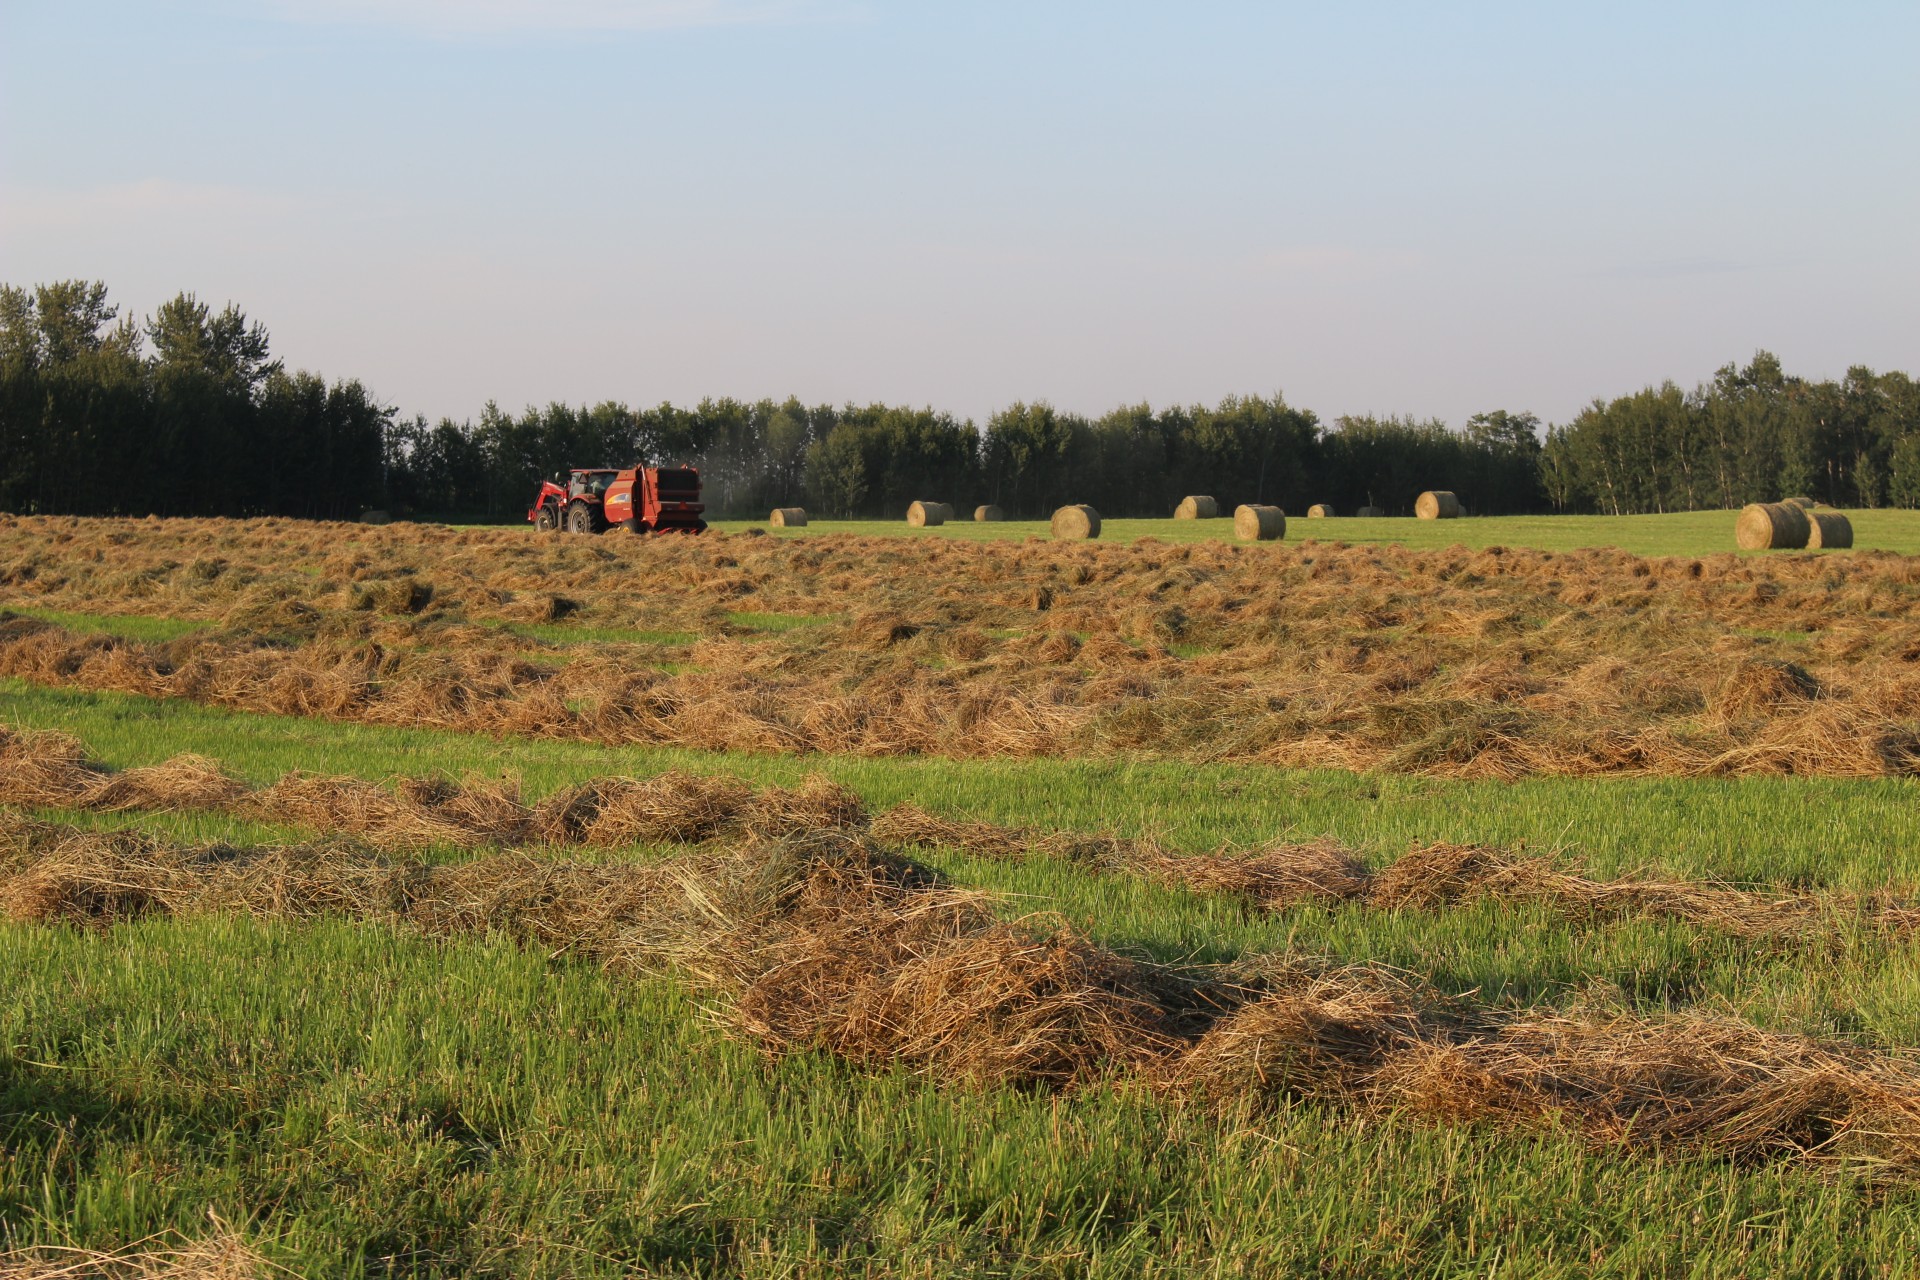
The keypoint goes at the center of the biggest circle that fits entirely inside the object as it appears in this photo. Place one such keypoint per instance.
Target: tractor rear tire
(580, 519)
(548, 520)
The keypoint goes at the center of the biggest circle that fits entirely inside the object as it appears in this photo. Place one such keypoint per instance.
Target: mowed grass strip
(365, 1102)
(1855, 835)
(1686, 533)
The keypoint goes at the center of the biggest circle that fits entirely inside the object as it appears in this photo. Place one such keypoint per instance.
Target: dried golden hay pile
(829, 944)
(223, 1255)
(1496, 663)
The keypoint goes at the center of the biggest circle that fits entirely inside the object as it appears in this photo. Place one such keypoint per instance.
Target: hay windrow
(684, 808)
(1486, 669)
(831, 945)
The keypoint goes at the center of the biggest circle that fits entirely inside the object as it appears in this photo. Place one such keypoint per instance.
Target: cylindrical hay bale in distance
(1765, 526)
(1259, 524)
(1319, 511)
(923, 515)
(1196, 507)
(1437, 504)
(1805, 504)
(1828, 529)
(946, 511)
(988, 512)
(1076, 522)
(788, 518)
(1370, 513)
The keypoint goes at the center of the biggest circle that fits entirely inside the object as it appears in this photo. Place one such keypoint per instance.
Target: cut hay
(826, 944)
(44, 769)
(1253, 523)
(1196, 507)
(222, 1256)
(1828, 530)
(1319, 511)
(1437, 504)
(988, 513)
(1691, 1082)
(788, 518)
(681, 808)
(1275, 878)
(424, 812)
(673, 807)
(1764, 526)
(1393, 659)
(1761, 686)
(926, 515)
(184, 782)
(1076, 522)
(869, 962)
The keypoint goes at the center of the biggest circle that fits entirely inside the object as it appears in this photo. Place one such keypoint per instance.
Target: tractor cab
(591, 485)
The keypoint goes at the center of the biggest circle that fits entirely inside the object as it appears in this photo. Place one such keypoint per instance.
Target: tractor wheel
(579, 518)
(548, 520)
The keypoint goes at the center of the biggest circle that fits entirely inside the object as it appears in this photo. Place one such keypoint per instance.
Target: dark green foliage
(188, 414)
(1751, 435)
(206, 424)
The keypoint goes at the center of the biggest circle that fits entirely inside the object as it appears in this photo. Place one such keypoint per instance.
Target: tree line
(188, 413)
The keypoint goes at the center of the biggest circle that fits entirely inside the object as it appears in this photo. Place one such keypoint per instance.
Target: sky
(1368, 207)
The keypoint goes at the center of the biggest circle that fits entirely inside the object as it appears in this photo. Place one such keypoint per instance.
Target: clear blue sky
(1419, 208)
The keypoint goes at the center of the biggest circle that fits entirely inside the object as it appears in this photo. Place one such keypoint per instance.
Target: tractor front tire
(548, 520)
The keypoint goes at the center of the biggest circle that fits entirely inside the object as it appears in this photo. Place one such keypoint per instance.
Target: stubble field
(427, 901)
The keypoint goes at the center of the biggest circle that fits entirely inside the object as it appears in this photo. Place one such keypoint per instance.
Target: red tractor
(642, 499)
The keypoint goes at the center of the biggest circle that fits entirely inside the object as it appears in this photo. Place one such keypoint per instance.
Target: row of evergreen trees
(874, 460)
(187, 413)
(1751, 435)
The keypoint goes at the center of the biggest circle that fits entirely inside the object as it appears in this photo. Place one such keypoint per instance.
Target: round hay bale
(1370, 513)
(1259, 524)
(925, 515)
(1805, 504)
(788, 518)
(1196, 507)
(1764, 526)
(1828, 530)
(1076, 522)
(1319, 511)
(1437, 504)
(946, 511)
(988, 512)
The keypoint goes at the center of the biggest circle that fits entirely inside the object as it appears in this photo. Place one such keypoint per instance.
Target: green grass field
(364, 1102)
(1691, 533)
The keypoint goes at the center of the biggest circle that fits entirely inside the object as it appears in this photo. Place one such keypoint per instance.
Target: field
(1689, 533)
(428, 901)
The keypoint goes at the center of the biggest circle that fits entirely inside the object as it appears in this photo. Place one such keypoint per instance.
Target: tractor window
(594, 482)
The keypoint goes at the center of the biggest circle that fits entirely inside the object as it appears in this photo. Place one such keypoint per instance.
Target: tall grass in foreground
(376, 1104)
(364, 1101)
